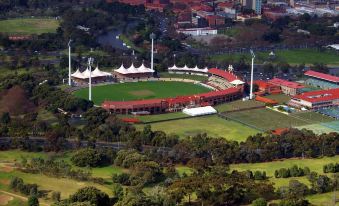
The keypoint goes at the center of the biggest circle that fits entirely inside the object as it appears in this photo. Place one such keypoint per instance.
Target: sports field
(296, 56)
(266, 119)
(140, 90)
(213, 125)
(183, 76)
(238, 105)
(29, 26)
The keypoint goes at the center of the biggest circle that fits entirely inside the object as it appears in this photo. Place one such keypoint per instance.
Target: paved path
(20, 197)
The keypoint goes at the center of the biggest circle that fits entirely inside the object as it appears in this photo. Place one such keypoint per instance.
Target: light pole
(69, 63)
(152, 37)
(174, 55)
(252, 70)
(90, 62)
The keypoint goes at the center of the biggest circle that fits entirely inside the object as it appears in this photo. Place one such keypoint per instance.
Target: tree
(259, 202)
(118, 191)
(92, 195)
(56, 196)
(5, 118)
(33, 201)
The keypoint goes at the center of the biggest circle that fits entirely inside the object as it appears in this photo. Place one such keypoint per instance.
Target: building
(198, 31)
(324, 81)
(221, 79)
(215, 20)
(133, 72)
(267, 88)
(287, 87)
(255, 5)
(97, 76)
(316, 99)
(156, 106)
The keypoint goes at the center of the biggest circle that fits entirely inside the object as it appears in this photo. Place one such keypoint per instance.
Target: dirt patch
(5, 199)
(4, 182)
(6, 167)
(142, 93)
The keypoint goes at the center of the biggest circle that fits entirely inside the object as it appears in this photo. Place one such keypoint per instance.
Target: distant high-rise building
(252, 4)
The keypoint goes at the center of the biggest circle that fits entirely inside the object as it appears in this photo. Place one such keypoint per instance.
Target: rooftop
(286, 83)
(323, 76)
(319, 96)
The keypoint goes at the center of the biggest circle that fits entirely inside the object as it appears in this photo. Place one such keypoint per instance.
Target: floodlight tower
(252, 70)
(90, 62)
(69, 63)
(152, 37)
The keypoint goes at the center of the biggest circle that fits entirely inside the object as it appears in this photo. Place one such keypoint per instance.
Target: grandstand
(133, 72)
(324, 81)
(316, 99)
(221, 79)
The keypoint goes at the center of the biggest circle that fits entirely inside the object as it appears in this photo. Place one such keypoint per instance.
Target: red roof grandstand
(323, 76)
(265, 100)
(224, 74)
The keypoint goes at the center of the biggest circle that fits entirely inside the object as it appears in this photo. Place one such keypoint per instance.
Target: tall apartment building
(252, 4)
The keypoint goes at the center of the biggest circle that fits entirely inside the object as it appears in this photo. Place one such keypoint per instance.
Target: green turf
(140, 90)
(28, 26)
(317, 128)
(16, 202)
(159, 117)
(267, 119)
(297, 56)
(325, 199)
(280, 98)
(212, 125)
(313, 117)
(236, 105)
(183, 76)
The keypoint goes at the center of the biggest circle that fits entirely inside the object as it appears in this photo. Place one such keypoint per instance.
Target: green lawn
(183, 76)
(140, 90)
(280, 98)
(184, 170)
(267, 119)
(297, 56)
(239, 104)
(159, 117)
(29, 25)
(212, 125)
(323, 199)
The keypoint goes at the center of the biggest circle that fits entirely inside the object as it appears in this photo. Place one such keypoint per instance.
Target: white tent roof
(85, 74)
(134, 70)
(199, 111)
(186, 68)
(334, 46)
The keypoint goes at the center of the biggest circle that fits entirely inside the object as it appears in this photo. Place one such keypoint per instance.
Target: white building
(198, 31)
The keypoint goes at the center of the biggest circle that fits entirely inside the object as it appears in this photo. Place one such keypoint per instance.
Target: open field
(183, 76)
(236, 105)
(29, 26)
(267, 119)
(157, 117)
(324, 199)
(140, 90)
(280, 98)
(297, 56)
(212, 125)
(315, 165)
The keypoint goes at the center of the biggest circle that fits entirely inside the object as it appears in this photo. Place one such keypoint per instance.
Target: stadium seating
(219, 83)
(322, 84)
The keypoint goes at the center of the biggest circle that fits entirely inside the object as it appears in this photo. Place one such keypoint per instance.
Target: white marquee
(134, 70)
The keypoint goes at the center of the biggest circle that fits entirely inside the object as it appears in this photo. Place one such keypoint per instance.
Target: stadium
(137, 92)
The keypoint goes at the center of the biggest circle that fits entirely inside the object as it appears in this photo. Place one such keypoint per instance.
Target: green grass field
(280, 98)
(297, 56)
(267, 119)
(140, 90)
(157, 117)
(29, 26)
(236, 105)
(212, 125)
